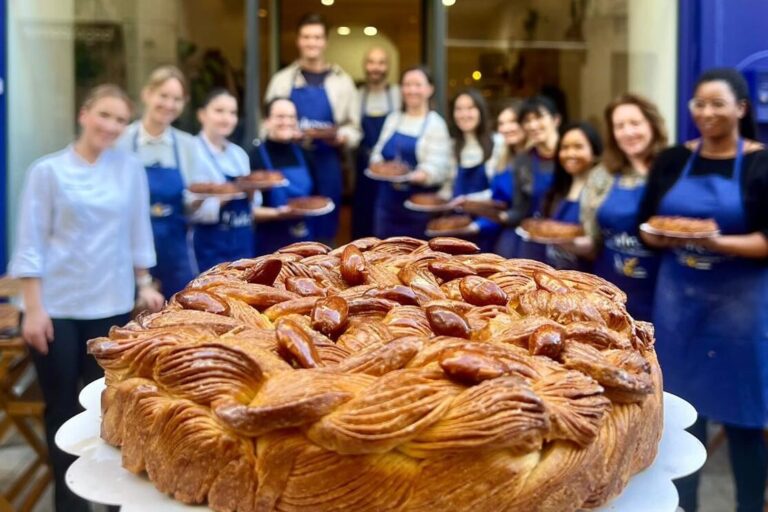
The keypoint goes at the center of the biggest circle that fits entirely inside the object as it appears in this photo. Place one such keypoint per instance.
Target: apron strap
(265, 155)
(213, 159)
(737, 163)
(176, 158)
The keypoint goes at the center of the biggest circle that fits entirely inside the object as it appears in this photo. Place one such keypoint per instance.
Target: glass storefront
(583, 51)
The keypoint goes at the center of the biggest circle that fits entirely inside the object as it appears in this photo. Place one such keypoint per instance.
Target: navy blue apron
(503, 189)
(315, 111)
(232, 237)
(366, 189)
(567, 211)
(391, 217)
(169, 225)
(276, 234)
(623, 259)
(711, 311)
(470, 180)
(542, 181)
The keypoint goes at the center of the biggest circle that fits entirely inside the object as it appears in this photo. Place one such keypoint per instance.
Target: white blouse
(82, 230)
(433, 148)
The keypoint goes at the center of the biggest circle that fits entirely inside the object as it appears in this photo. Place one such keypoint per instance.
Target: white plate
(427, 208)
(97, 475)
(318, 212)
(674, 234)
(403, 178)
(270, 185)
(527, 237)
(222, 197)
(471, 229)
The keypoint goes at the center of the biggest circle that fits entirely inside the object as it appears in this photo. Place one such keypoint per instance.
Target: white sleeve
(434, 151)
(196, 169)
(350, 126)
(35, 223)
(142, 241)
(386, 132)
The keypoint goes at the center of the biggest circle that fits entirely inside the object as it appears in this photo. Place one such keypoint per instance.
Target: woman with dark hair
(278, 226)
(227, 235)
(533, 170)
(577, 153)
(418, 138)
(711, 306)
(473, 145)
(612, 195)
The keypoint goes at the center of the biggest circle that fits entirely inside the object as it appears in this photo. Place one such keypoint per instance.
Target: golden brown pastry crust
(683, 225)
(386, 375)
(549, 228)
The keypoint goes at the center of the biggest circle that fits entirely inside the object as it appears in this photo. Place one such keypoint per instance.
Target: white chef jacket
(215, 166)
(82, 229)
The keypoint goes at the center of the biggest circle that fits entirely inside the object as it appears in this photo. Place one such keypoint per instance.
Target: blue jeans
(749, 463)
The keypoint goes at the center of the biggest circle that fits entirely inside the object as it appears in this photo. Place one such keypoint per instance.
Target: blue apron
(314, 110)
(470, 180)
(366, 189)
(276, 234)
(567, 211)
(391, 217)
(623, 259)
(711, 311)
(502, 189)
(169, 225)
(232, 237)
(542, 181)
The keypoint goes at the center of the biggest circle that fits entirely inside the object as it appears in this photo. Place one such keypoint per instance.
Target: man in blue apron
(378, 99)
(325, 99)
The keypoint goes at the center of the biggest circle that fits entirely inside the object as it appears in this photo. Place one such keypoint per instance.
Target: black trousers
(749, 463)
(62, 373)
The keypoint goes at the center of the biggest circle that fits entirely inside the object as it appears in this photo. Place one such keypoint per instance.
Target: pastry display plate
(230, 196)
(647, 228)
(97, 474)
(328, 208)
(399, 178)
(527, 237)
(428, 208)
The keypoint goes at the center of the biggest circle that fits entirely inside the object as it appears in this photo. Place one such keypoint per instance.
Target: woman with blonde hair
(612, 196)
(169, 156)
(83, 248)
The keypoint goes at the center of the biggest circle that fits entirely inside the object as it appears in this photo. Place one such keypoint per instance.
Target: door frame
(3, 135)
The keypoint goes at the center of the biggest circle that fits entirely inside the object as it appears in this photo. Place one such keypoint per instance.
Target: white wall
(653, 55)
(41, 87)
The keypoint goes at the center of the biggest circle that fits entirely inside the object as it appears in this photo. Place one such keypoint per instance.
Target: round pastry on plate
(311, 205)
(450, 225)
(220, 190)
(386, 375)
(427, 203)
(549, 230)
(681, 227)
(261, 180)
(388, 171)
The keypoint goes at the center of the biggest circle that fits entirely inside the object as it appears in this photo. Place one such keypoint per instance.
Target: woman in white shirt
(227, 233)
(418, 137)
(168, 155)
(84, 244)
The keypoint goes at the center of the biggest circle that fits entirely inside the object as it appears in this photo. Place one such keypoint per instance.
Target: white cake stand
(97, 475)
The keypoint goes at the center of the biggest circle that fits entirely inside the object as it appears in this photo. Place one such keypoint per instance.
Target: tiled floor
(717, 487)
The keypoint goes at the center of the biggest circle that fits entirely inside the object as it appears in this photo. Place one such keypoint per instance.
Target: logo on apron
(628, 251)
(161, 210)
(299, 230)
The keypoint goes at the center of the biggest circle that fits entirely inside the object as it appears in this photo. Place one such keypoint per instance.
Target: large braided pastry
(385, 375)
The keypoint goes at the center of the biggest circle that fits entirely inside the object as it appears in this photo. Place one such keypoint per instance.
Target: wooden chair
(21, 409)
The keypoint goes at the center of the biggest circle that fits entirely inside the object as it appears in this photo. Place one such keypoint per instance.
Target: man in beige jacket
(326, 103)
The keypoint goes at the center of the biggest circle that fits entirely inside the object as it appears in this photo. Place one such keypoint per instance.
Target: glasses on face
(697, 105)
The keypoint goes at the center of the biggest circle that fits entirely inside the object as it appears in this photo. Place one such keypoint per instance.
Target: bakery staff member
(227, 236)
(711, 305)
(83, 247)
(475, 152)
(167, 154)
(611, 198)
(503, 242)
(578, 152)
(378, 99)
(534, 167)
(325, 97)
(277, 225)
(418, 137)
